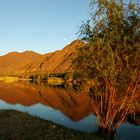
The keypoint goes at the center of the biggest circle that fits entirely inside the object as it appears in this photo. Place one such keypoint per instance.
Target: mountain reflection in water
(65, 107)
(71, 109)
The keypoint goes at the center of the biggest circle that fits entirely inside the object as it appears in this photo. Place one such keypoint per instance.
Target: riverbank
(15, 125)
(8, 79)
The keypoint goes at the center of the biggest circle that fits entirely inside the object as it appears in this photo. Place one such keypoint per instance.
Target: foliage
(76, 75)
(112, 57)
(33, 77)
(60, 75)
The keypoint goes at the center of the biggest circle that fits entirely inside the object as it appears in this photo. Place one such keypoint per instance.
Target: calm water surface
(65, 107)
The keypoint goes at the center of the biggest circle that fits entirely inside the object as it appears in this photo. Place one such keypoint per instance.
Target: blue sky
(40, 25)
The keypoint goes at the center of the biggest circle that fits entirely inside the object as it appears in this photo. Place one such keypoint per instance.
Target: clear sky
(40, 25)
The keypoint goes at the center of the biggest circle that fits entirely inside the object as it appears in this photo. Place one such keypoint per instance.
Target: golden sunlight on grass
(8, 79)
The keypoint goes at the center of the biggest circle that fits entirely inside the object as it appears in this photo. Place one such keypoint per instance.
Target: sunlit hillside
(27, 63)
(12, 62)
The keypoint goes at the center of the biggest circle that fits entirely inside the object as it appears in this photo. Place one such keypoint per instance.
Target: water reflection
(88, 123)
(128, 131)
(74, 105)
(65, 107)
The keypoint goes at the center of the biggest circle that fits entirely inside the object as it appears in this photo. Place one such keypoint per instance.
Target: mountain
(12, 62)
(29, 62)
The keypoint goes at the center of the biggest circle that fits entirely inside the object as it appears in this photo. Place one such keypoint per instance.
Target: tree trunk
(106, 133)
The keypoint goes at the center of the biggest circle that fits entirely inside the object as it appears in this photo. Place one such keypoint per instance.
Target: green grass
(15, 125)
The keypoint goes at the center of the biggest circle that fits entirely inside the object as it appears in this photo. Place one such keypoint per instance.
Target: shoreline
(18, 125)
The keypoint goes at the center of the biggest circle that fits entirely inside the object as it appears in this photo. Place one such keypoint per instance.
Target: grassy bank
(16, 125)
(8, 79)
(55, 80)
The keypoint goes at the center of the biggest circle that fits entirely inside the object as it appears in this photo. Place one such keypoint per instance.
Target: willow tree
(111, 57)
